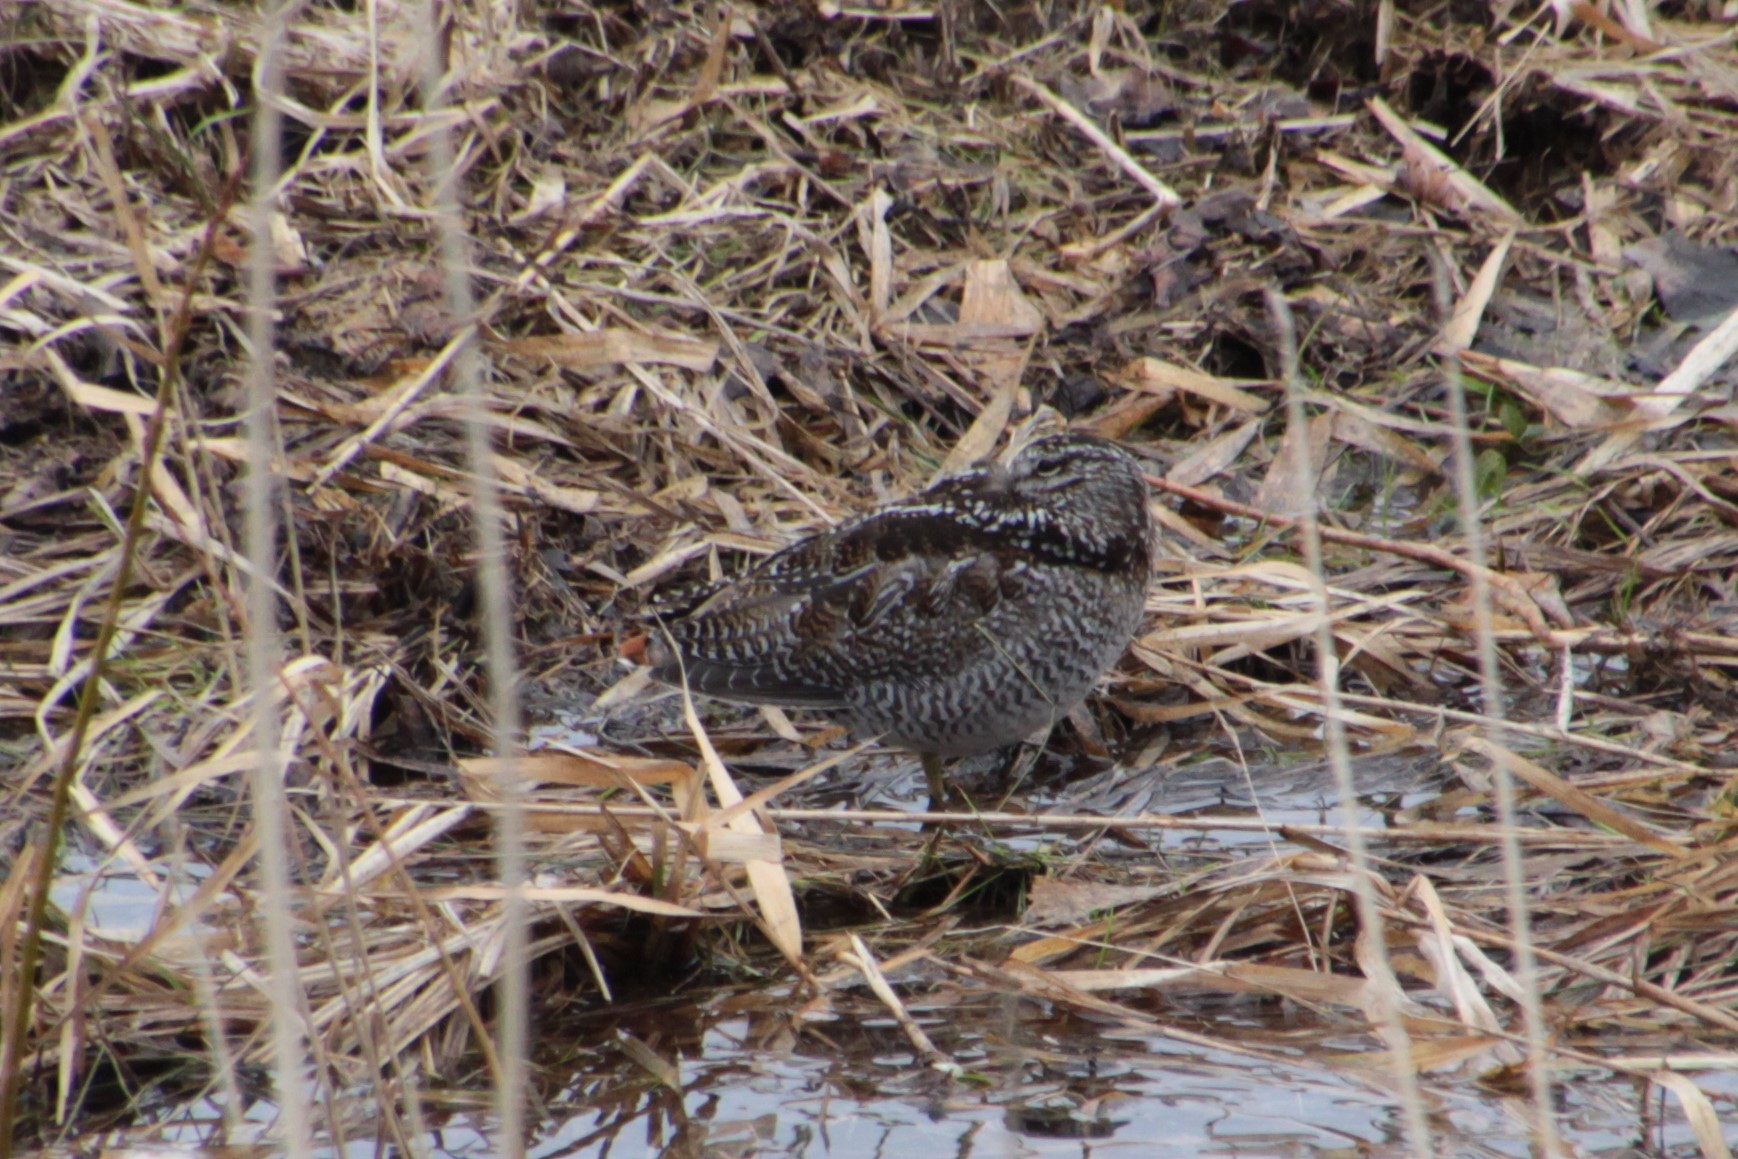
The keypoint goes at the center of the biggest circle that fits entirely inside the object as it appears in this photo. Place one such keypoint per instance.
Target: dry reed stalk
(729, 290)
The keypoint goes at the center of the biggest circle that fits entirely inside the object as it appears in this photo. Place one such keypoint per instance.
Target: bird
(960, 620)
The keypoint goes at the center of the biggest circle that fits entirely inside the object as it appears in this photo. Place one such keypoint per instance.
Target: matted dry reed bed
(742, 275)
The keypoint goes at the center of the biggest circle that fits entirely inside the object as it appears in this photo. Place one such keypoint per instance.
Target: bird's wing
(890, 596)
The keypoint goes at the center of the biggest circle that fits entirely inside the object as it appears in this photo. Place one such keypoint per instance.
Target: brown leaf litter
(744, 274)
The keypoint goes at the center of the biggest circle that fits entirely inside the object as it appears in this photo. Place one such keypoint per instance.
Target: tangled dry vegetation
(740, 275)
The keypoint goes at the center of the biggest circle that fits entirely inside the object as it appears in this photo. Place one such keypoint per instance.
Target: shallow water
(1032, 1081)
(1020, 1080)
(733, 1071)
(1068, 1088)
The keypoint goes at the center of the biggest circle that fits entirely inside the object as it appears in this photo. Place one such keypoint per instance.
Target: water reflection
(742, 1075)
(1025, 1082)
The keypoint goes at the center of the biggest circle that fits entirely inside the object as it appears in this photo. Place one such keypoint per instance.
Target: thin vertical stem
(18, 1020)
(492, 583)
(264, 646)
(22, 1014)
(1386, 985)
(1491, 688)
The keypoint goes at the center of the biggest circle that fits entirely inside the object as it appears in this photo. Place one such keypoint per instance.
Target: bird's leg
(1022, 759)
(932, 772)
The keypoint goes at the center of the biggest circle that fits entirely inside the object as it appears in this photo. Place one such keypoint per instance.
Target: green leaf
(1514, 420)
(1489, 471)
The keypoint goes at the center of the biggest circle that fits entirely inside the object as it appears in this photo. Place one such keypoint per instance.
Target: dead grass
(742, 276)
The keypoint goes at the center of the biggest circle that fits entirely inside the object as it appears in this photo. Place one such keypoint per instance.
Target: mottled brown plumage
(951, 623)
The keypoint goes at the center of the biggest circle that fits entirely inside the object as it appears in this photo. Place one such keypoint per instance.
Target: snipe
(951, 623)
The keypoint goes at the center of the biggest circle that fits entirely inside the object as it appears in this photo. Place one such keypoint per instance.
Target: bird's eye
(1048, 468)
